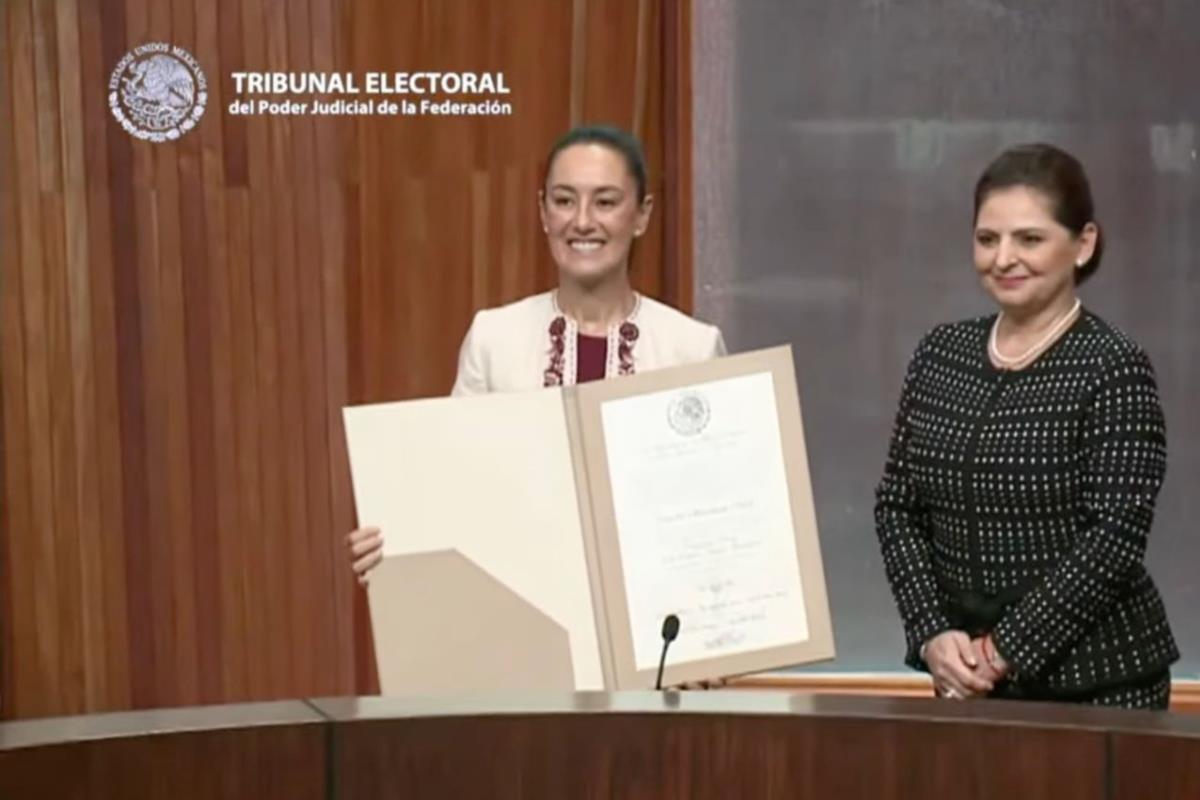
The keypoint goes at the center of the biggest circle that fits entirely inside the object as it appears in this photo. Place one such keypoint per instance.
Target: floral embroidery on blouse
(564, 336)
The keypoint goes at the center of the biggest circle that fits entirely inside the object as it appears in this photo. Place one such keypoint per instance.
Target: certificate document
(539, 539)
(704, 523)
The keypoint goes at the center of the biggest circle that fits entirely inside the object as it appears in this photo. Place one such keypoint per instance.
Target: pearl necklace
(1025, 359)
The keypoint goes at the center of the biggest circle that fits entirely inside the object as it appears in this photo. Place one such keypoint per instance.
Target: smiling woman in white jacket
(593, 204)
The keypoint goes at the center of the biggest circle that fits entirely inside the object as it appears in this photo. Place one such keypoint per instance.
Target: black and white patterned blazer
(1031, 493)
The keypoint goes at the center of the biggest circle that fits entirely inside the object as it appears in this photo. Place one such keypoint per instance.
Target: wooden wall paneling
(270, 609)
(42, 672)
(57, 325)
(366, 317)
(578, 60)
(222, 590)
(127, 180)
(332, 188)
(164, 271)
(201, 263)
(480, 205)
(46, 92)
(513, 190)
(611, 61)
(230, 56)
(249, 531)
(89, 577)
(182, 305)
(316, 584)
(248, 538)
(65, 527)
(411, 259)
(644, 40)
(286, 540)
(676, 105)
(649, 264)
(111, 600)
(155, 488)
(369, 314)
(15, 555)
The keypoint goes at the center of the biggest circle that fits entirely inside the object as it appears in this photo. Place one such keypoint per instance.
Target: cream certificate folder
(538, 539)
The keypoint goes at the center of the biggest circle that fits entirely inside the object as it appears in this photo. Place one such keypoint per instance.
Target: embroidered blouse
(518, 347)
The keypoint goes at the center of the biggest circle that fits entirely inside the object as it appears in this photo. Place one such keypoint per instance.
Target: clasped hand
(963, 667)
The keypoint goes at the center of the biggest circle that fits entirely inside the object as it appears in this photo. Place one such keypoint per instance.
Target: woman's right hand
(366, 551)
(952, 662)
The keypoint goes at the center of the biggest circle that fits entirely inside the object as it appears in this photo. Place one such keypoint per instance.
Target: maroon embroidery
(629, 334)
(553, 376)
(563, 343)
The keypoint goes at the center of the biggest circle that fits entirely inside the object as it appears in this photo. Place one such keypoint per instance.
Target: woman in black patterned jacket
(1027, 454)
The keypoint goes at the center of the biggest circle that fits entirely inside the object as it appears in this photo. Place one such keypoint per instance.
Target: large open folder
(538, 539)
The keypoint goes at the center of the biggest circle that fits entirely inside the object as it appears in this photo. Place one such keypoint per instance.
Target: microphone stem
(662, 660)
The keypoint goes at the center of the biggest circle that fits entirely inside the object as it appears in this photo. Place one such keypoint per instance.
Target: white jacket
(508, 349)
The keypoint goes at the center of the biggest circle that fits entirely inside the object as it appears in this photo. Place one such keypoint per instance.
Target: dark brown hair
(624, 144)
(1060, 177)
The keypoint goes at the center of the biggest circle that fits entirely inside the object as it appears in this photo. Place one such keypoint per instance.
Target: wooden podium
(726, 744)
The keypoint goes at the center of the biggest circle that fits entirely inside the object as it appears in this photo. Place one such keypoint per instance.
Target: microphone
(670, 630)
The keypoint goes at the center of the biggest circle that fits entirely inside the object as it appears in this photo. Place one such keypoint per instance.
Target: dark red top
(592, 356)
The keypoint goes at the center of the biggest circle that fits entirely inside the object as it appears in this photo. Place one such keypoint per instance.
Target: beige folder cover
(503, 565)
(490, 478)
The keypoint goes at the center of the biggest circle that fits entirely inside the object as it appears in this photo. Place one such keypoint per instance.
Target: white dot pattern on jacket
(1044, 479)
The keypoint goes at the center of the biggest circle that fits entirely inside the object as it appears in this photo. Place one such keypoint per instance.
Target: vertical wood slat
(49, 120)
(579, 27)
(249, 496)
(676, 91)
(314, 531)
(112, 603)
(16, 506)
(289, 442)
(120, 183)
(331, 193)
(87, 546)
(200, 263)
(184, 322)
(181, 482)
(155, 485)
(223, 589)
(641, 76)
(267, 570)
(227, 586)
(41, 668)
(65, 524)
